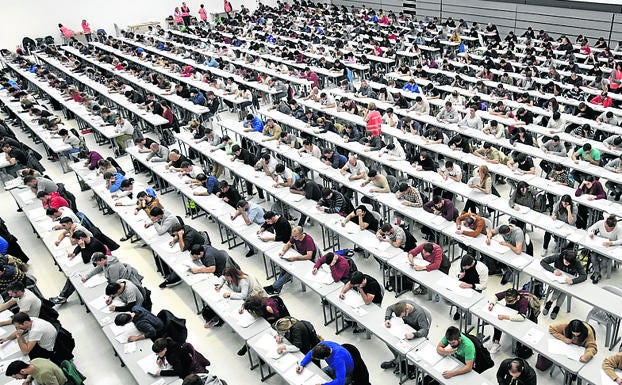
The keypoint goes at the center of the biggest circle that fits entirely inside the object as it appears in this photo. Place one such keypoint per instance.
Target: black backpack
(483, 361)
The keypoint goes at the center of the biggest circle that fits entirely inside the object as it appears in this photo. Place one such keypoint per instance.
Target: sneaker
(494, 348)
(544, 252)
(388, 364)
(547, 306)
(421, 290)
(596, 278)
(58, 300)
(437, 298)
(163, 284)
(250, 253)
(243, 350)
(554, 312)
(358, 330)
(174, 282)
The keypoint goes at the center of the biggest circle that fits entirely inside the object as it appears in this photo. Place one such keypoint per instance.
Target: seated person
(146, 322)
(35, 337)
(338, 264)
(340, 362)
(459, 346)
(516, 371)
(576, 332)
(363, 218)
(565, 262)
(414, 316)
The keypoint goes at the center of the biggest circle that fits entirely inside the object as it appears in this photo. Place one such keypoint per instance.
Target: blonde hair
(483, 168)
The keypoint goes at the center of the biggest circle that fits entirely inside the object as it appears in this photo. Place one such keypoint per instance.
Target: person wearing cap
(414, 316)
(41, 370)
(301, 335)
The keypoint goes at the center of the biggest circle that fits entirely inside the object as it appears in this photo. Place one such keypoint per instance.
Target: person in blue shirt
(197, 97)
(253, 122)
(146, 322)
(113, 181)
(333, 158)
(4, 246)
(211, 62)
(411, 86)
(340, 362)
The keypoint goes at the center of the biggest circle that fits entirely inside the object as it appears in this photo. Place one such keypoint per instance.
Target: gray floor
(96, 359)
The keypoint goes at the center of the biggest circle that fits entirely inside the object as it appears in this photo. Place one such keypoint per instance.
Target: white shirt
(29, 303)
(126, 128)
(43, 332)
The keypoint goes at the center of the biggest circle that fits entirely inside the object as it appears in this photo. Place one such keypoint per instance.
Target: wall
(39, 18)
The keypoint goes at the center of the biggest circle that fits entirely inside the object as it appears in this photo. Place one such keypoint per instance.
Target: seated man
(127, 292)
(413, 316)
(146, 322)
(339, 360)
(367, 287)
(338, 264)
(210, 258)
(396, 236)
(305, 246)
(516, 371)
(433, 254)
(35, 337)
(278, 223)
(460, 347)
(363, 218)
(25, 300)
(42, 370)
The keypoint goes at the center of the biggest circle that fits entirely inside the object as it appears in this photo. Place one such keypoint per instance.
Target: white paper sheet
(245, 319)
(399, 329)
(446, 364)
(497, 247)
(130, 347)
(571, 351)
(500, 310)
(353, 299)
(428, 354)
(95, 280)
(128, 328)
(9, 348)
(556, 278)
(285, 362)
(148, 364)
(453, 285)
(292, 377)
(534, 336)
(322, 277)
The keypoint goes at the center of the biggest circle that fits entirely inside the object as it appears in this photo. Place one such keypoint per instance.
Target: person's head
(372, 174)
(197, 251)
(438, 201)
(80, 235)
(587, 147)
(113, 289)
(282, 325)
(223, 185)
(401, 309)
(18, 369)
(99, 259)
(448, 106)
(361, 210)
(233, 275)
(122, 319)
(270, 217)
(428, 248)
(505, 229)
(159, 347)
(16, 289)
(467, 262)
(21, 321)
(568, 257)
(156, 214)
(611, 222)
(357, 279)
(589, 181)
(522, 187)
(298, 233)
(565, 201)
(576, 330)
(453, 336)
(403, 187)
(511, 296)
(320, 351)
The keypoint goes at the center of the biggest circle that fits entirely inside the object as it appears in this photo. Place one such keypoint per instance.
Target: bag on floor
(543, 363)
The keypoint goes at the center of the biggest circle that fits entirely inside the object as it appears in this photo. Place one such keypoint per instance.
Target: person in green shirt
(42, 370)
(459, 346)
(588, 154)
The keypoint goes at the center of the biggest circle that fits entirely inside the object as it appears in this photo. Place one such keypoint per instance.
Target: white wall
(39, 18)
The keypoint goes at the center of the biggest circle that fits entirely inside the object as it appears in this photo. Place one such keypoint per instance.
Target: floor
(95, 357)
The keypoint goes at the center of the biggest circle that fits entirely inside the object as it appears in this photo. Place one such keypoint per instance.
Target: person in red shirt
(374, 120)
(167, 114)
(602, 99)
(432, 253)
(52, 200)
(339, 266)
(311, 76)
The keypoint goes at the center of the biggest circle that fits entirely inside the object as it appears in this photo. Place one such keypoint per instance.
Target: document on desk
(315, 379)
(497, 247)
(285, 362)
(64, 260)
(399, 329)
(130, 347)
(606, 380)
(95, 280)
(129, 328)
(353, 299)
(13, 183)
(417, 261)
(350, 228)
(498, 310)
(125, 201)
(245, 319)
(446, 363)
(571, 351)
(453, 285)
(268, 346)
(19, 382)
(5, 315)
(8, 349)
(322, 277)
(26, 196)
(556, 278)
(520, 261)
(534, 336)
(597, 242)
(428, 354)
(438, 220)
(148, 364)
(37, 214)
(300, 378)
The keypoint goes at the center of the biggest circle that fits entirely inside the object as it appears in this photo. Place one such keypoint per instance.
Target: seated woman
(579, 333)
(565, 262)
(564, 210)
(522, 196)
(182, 358)
(262, 306)
(482, 182)
(362, 217)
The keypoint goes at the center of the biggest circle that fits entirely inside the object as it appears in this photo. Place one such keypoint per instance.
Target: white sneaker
(544, 252)
(494, 348)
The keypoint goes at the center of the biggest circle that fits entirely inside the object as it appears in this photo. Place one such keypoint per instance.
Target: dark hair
(279, 168)
(436, 199)
(192, 379)
(452, 333)
(569, 255)
(403, 187)
(98, 256)
(504, 229)
(41, 194)
(372, 173)
(160, 344)
(176, 227)
(269, 215)
(16, 286)
(467, 260)
(235, 148)
(326, 192)
(122, 319)
(15, 367)
(196, 249)
(611, 221)
(235, 274)
(428, 247)
(156, 211)
(127, 182)
(112, 288)
(329, 257)
(20, 318)
(576, 326)
(356, 278)
(79, 234)
(320, 351)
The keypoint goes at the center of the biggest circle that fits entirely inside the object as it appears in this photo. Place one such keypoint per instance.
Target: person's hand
(419, 268)
(465, 285)
(569, 281)
(503, 316)
(557, 272)
(583, 358)
(135, 212)
(320, 208)
(108, 300)
(281, 253)
(591, 236)
(111, 308)
(504, 243)
(607, 244)
(171, 243)
(83, 279)
(194, 270)
(517, 207)
(299, 369)
(217, 287)
(448, 374)
(567, 340)
(314, 271)
(343, 224)
(81, 243)
(57, 243)
(147, 224)
(19, 332)
(491, 306)
(342, 296)
(132, 338)
(591, 197)
(226, 294)
(409, 336)
(281, 348)
(157, 373)
(554, 217)
(488, 241)
(619, 380)
(241, 310)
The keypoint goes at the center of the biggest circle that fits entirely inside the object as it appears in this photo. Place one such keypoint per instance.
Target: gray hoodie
(115, 270)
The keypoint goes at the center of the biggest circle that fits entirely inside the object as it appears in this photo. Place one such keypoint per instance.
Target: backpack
(537, 289)
(483, 361)
(583, 256)
(540, 204)
(199, 362)
(535, 303)
(74, 377)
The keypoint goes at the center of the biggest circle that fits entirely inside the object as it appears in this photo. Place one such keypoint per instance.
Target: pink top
(177, 17)
(227, 7)
(203, 14)
(374, 123)
(86, 28)
(66, 32)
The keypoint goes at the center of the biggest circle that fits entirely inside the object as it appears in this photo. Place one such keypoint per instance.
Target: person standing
(86, 28)
(185, 14)
(228, 8)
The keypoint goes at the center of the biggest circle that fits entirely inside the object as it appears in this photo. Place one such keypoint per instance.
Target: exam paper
(245, 319)
(353, 299)
(399, 329)
(95, 280)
